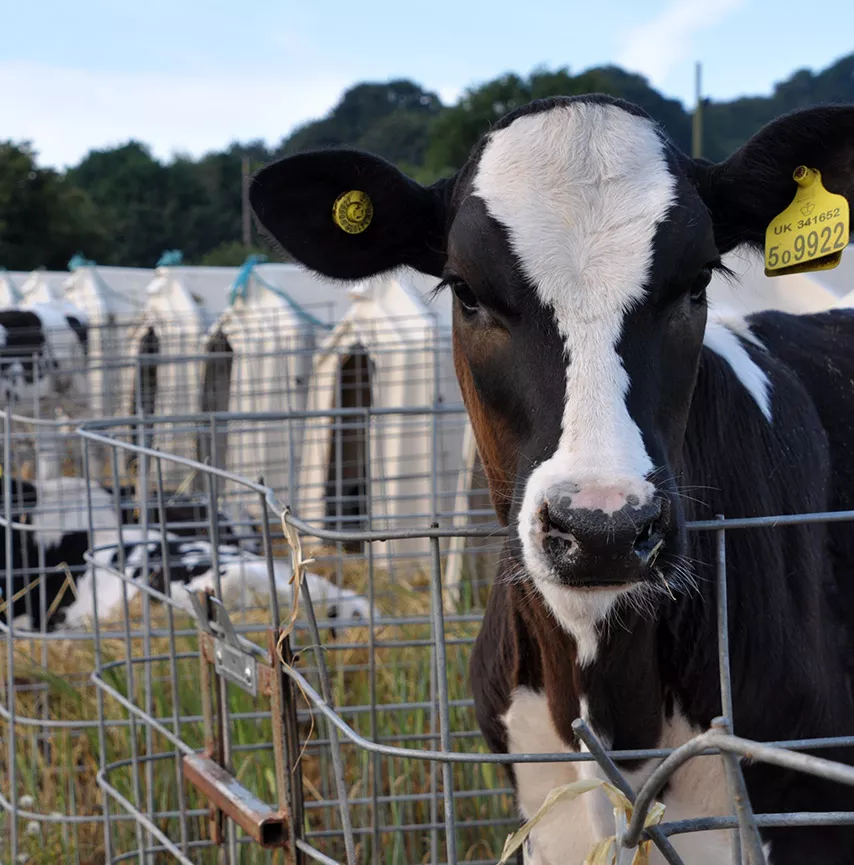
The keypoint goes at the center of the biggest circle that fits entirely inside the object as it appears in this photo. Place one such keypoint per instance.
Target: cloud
(65, 112)
(657, 46)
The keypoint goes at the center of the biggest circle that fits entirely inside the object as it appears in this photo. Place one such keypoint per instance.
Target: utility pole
(697, 136)
(247, 219)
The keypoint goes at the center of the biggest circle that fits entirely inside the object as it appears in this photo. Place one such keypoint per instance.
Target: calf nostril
(650, 538)
(555, 520)
(646, 533)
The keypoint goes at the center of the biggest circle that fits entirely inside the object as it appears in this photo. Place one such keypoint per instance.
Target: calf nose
(571, 526)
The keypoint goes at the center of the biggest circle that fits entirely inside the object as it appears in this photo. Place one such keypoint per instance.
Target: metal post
(173, 661)
(434, 767)
(222, 693)
(142, 493)
(10, 633)
(376, 763)
(438, 620)
(131, 688)
(335, 744)
(747, 834)
(284, 704)
(98, 660)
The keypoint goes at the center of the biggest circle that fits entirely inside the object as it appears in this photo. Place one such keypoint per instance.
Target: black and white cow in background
(56, 510)
(43, 351)
(609, 409)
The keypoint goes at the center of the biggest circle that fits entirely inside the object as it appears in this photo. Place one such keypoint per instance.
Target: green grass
(59, 771)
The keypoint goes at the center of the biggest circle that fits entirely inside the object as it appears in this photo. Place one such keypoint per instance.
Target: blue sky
(192, 76)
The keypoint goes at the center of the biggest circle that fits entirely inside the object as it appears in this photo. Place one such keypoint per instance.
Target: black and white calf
(188, 516)
(189, 564)
(42, 352)
(56, 514)
(609, 409)
(56, 511)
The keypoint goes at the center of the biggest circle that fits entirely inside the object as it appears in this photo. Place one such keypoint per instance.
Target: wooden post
(247, 219)
(697, 137)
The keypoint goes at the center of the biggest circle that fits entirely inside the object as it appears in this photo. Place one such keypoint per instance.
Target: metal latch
(237, 666)
(232, 660)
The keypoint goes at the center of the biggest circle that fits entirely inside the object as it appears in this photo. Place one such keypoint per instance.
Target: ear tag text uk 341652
(353, 211)
(811, 232)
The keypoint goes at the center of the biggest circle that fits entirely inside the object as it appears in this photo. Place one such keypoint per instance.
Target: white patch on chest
(580, 613)
(723, 339)
(567, 834)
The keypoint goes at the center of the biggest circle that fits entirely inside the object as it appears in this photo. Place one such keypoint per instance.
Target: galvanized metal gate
(256, 734)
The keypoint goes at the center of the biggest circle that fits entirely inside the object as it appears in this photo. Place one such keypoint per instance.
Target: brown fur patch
(495, 442)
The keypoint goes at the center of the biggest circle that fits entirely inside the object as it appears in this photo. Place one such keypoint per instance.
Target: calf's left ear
(349, 215)
(747, 191)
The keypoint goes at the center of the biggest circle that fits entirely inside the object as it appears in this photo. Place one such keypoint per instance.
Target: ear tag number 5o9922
(811, 232)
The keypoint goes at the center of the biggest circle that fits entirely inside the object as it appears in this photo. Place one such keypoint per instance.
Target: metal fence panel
(282, 725)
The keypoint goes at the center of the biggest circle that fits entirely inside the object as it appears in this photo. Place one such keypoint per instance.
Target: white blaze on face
(581, 190)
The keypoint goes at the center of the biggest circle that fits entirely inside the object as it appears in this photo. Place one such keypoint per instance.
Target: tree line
(122, 206)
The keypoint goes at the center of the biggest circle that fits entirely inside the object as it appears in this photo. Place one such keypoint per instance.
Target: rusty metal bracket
(267, 826)
(227, 659)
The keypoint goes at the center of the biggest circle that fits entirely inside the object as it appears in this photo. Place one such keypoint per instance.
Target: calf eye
(700, 284)
(466, 297)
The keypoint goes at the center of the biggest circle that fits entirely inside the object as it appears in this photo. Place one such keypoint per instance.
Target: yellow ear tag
(353, 211)
(811, 232)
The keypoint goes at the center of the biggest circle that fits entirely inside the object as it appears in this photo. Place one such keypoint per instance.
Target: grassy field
(56, 768)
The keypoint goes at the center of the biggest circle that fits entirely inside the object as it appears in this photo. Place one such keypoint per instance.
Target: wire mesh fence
(253, 724)
(57, 593)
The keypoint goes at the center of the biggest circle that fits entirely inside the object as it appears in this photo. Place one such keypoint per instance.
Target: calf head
(579, 243)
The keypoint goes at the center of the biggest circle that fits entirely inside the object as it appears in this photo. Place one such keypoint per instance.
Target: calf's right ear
(749, 189)
(349, 215)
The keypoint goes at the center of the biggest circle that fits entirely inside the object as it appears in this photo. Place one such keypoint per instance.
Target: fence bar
(326, 687)
(173, 652)
(616, 777)
(748, 834)
(10, 633)
(98, 660)
(756, 751)
(442, 684)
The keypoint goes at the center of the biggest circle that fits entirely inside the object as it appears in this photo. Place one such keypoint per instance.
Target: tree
(194, 206)
(44, 219)
(456, 132)
(459, 128)
(131, 189)
(729, 124)
(123, 206)
(392, 118)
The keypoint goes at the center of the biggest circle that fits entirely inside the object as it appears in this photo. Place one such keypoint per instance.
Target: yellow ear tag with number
(811, 232)
(353, 211)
